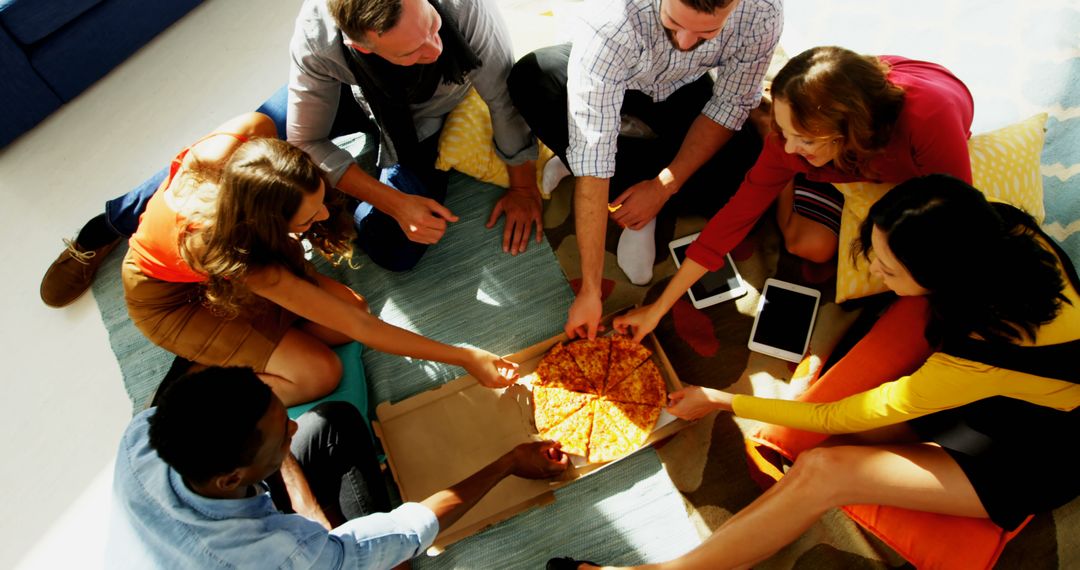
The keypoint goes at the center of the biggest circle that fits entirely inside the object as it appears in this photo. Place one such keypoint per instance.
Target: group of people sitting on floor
(214, 473)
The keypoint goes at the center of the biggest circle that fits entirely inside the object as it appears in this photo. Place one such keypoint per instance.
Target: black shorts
(1013, 453)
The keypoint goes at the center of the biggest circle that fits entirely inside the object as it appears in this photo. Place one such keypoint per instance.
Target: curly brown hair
(832, 92)
(260, 189)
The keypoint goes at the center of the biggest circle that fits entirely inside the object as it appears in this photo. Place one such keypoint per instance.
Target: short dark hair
(985, 269)
(206, 423)
(706, 6)
(358, 17)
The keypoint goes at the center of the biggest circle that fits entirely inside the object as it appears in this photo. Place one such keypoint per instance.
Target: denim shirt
(158, 522)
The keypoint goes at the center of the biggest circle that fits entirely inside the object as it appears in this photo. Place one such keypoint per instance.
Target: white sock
(637, 253)
(554, 172)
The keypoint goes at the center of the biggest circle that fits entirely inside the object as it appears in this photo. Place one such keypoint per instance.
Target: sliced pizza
(553, 405)
(645, 385)
(626, 355)
(592, 357)
(558, 369)
(573, 432)
(607, 442)
(635, 421)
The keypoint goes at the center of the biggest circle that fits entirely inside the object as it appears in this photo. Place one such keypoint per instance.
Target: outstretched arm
(590, 219)
(536, 460)
(642, 320)
(317, 305)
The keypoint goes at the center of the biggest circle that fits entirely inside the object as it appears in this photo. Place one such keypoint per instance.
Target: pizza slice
(626, 355)
(553, 405)
(557, 369)
(592, 357)
(573, 432)
(636, 421)
(645, 385)
(607, 442)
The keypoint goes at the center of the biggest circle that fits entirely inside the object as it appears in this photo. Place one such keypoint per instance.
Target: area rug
(628, 513)
(465, 291)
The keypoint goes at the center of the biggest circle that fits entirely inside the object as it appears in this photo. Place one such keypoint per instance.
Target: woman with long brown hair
(837, 116)
(216, 271)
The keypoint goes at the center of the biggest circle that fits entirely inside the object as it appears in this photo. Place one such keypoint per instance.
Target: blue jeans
(378, 234)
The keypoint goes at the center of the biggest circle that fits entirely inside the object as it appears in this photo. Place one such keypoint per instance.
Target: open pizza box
(437, 438)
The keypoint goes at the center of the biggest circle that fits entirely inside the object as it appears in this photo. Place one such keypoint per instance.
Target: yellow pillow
(466, 144)
(1004, 165)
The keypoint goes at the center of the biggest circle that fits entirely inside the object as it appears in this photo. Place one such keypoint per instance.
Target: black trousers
(334, 448)
(537, 86)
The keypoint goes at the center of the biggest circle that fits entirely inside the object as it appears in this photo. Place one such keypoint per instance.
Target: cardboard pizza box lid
(437, 438)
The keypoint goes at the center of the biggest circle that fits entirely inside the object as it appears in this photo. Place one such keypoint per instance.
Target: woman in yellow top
(965, 432)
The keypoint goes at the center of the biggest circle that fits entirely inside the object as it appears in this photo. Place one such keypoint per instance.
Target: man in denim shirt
(218, 475)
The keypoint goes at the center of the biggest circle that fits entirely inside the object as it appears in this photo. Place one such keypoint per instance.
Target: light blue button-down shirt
(157, 522)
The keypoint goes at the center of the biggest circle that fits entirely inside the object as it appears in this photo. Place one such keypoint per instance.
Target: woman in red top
(837, 116)
(216, 270)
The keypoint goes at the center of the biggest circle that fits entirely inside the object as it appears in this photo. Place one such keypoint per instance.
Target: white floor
(65, 405)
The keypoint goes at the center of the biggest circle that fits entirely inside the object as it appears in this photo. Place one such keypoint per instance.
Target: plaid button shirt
(622, 45)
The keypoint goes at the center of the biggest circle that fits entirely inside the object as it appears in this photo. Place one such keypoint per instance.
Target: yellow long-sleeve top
(943, 382)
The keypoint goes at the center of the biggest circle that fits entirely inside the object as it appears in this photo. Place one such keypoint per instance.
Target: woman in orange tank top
(216, 271)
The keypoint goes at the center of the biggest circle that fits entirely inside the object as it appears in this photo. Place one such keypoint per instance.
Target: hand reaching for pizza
(538, 460)
(490, 370)
(637, 322)
(693, 402)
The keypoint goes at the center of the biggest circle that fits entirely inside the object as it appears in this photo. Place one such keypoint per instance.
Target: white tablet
(716, 286)
(784, 320)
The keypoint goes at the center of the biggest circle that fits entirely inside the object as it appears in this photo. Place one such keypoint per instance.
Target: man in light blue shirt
(218, 475)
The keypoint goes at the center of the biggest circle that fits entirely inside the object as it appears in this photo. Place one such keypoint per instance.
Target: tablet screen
(714, 282)
(785, 319)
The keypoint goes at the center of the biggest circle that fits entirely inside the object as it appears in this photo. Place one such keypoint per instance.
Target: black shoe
(566, 563)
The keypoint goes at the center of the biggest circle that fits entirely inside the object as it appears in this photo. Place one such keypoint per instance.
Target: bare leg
(803, 237)
(921, 477)
(302, 368)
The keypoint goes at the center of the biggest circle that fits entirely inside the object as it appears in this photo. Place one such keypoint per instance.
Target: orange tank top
(156, 242)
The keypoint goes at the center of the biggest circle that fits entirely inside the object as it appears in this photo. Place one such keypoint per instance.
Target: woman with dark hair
(964, 432)
(216, 271)
(837, 116)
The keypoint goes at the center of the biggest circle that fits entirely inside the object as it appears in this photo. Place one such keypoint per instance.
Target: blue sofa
(52, 50)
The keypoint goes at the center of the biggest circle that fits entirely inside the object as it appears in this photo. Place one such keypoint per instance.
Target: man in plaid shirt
(632, 110)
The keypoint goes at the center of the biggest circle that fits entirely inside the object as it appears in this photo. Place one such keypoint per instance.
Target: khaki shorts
(173, 316)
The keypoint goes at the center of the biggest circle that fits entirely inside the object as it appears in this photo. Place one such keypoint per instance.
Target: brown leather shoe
(72, 273)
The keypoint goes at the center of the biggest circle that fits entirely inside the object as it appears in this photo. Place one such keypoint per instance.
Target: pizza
(600, 398)
(626, 355)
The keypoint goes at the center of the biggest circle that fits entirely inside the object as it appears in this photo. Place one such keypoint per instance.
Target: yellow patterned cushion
(466, 144)
(1004, 165)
